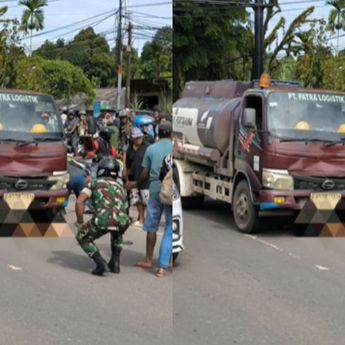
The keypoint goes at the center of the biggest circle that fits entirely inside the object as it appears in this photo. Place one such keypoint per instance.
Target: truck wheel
(245, 213)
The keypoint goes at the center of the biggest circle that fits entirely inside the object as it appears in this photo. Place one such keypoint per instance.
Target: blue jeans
(165, 250)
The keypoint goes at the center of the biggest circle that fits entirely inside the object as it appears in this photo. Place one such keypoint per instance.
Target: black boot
(114, 263)
(101, 265)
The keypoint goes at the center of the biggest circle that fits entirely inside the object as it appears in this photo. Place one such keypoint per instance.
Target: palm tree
(336, 19)
(33, 16)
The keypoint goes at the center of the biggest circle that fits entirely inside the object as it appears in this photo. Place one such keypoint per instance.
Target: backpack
(165, 194)
(166, 176)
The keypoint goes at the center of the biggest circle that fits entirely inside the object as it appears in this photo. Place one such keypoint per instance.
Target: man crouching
(109, 199)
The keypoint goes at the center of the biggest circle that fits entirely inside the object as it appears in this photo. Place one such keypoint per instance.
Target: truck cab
(265, 148)
(33, 156)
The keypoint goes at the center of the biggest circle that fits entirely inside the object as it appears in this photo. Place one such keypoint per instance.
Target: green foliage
(10, 51)
(210, 42)
(156, 57)
(87, 50)
(33, 16)
(136, 103)
(55, 77)
(334, 73)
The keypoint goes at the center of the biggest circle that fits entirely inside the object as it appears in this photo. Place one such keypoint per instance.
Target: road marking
(15, 268)
(321, 268)
(294, 256)
(271, 245)
(266, 243)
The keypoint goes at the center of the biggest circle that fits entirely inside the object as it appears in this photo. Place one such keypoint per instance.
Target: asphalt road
(48, 296)
(273, 288)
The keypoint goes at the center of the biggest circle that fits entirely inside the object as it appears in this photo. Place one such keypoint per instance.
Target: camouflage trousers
(88, 233)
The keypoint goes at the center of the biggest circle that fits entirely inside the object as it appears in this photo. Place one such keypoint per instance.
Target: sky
(146, 15)
(294, 7)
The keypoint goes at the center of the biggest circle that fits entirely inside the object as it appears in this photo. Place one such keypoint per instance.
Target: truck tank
(203, 115)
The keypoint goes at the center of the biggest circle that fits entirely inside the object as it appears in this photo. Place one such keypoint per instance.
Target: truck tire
(245, 213)
(188, 202)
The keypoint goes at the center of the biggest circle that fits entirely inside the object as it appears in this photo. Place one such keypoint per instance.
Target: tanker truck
(266, 148)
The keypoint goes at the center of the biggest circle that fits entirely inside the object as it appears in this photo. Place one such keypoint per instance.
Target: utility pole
(129, 62)
(119, 57)
(259, 38)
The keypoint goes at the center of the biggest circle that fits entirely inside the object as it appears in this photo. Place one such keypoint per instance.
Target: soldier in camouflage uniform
(109, 199)
(125, 131)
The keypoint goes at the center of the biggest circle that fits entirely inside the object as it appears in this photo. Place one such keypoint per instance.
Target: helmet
(136, 133)
(123, 113)
(38, 128)
(165, 129)
(105, 134)
(302, 126)
(108, 167)
(341, 129)
(142, 120)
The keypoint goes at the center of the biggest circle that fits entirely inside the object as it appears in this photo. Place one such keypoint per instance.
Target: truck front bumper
(43, 199)
(270, 200)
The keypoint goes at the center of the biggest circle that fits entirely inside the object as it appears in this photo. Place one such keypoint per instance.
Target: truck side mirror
(249, 118)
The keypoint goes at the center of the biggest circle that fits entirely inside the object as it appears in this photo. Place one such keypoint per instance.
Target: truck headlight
(60, 178)
(277, 179)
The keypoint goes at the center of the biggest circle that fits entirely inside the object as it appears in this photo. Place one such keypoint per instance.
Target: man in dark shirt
(134, 158)
(72, 125)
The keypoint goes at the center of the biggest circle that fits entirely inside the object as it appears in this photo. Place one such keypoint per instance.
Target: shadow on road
(81, 262)
(220, 213)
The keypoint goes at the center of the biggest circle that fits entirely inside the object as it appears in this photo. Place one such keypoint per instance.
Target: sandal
(143, 264)
(161, 273)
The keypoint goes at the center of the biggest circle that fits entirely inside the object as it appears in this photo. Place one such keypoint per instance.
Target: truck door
(249, 144)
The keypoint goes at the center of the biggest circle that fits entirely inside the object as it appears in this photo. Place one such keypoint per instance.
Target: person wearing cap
(114, 131)
(152, 163)
(72, 125)
(139, 196)
(63, 114)
(82, 129)
(125, 130)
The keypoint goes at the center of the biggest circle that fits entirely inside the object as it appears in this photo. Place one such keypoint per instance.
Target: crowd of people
(126, 168)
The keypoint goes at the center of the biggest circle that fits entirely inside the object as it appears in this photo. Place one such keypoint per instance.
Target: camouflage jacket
(124, 135)
(110, 201)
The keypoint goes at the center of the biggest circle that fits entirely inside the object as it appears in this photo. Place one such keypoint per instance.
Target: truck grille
(17, 184)
(318, 183)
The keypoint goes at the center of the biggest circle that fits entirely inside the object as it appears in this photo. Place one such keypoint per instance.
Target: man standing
(72, 125)
(109, 199)
(114, 131)
(125, 130)
(134, 159)
(152, 165)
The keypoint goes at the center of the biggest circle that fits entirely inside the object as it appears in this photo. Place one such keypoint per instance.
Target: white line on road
(321, 268)
(15, 268)
(266, 243)
(295, 256)
(271, 245)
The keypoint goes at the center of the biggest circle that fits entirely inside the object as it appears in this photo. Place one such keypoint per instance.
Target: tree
(10, 50)
(156, 57)
(89, 51)
(57, 78)
(210, 42)
(33, 16)
(336, 19)
(288, 36)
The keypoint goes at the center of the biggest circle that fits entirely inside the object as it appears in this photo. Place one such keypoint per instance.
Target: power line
(113, 12)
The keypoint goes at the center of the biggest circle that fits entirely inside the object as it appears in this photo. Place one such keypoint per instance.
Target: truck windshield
(313, 116)
(28, 116)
